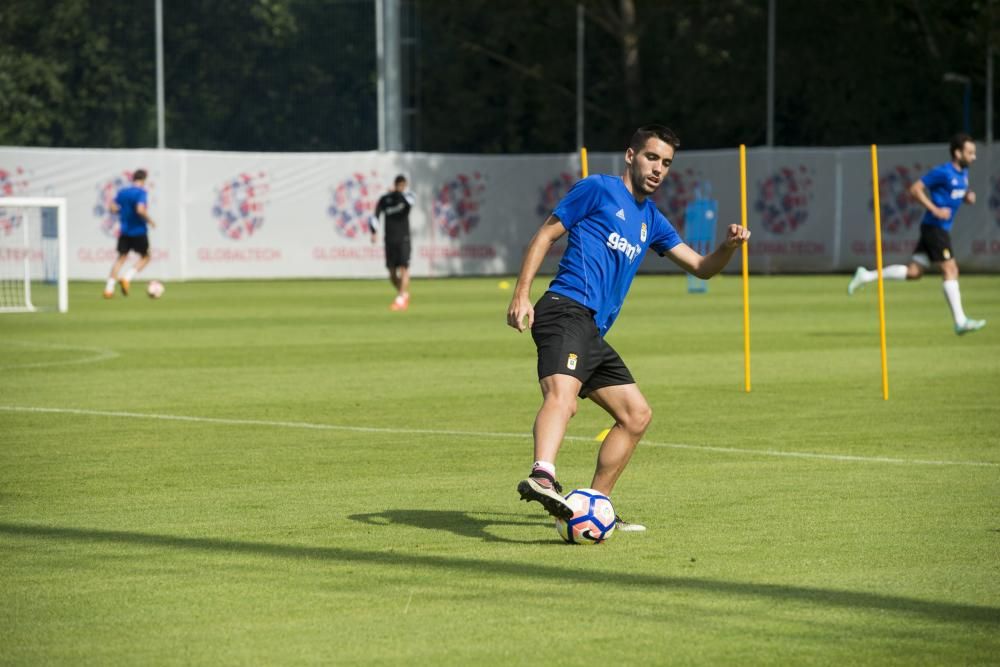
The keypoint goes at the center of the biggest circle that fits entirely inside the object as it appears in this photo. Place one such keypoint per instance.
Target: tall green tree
(76, 73)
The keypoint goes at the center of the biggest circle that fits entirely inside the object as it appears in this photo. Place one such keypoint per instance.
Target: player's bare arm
(919, 192)
(141, 212)
(706, 266)
(970, 197)
(520, 305)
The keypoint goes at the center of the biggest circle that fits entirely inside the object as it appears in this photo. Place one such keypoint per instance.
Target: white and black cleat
(546, 493)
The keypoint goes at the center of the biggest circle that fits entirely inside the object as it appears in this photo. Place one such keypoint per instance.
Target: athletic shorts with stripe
(934, 246)
(140, 244)
(397, 252)
(569, 343)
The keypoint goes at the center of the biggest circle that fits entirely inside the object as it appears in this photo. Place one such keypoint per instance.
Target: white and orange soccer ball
(155, 289)
(593, 519)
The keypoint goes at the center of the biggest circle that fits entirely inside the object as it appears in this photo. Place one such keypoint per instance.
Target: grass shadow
(462, 524)
(946, 612)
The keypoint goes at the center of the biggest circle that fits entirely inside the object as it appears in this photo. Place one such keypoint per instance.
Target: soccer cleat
(969, 326)
(109, 294)
(124, 284)
(400, 303)
(545, 491)
(627, 526)
(857, 281)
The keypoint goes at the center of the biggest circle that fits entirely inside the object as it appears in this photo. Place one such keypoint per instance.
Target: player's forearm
(714, 262)
(920, 194)
(533, 258)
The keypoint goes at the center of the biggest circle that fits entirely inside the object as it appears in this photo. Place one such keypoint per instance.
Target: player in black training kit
(396, 206)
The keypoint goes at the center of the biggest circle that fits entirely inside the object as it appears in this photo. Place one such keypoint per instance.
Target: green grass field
(286, 472)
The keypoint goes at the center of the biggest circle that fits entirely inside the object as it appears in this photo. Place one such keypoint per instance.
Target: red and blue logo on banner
(12, 184)
(456, 207)
(353, 203)
(900, 211)
(551, 193)
(239, 205)
(994, 200)
(783, 199)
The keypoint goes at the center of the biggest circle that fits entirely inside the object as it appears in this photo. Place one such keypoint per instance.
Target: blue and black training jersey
(128, 199)
(946, 187)
(609, 233)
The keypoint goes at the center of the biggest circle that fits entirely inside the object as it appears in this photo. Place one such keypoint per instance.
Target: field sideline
(285, 472)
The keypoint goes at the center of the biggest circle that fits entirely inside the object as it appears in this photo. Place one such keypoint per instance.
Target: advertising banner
(273, 215)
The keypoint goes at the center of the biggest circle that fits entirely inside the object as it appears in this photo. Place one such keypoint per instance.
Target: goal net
(33, 254)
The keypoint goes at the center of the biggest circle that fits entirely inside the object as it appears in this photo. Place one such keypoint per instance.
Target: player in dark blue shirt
(610, 222)
(942, 191)
(133, 235)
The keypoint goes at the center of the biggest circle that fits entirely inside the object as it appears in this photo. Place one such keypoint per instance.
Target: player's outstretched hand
(519, 309)
(736, 235)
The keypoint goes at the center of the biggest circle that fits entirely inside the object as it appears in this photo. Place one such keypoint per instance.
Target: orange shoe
(124, 284)
(400, 303)
(109, 295)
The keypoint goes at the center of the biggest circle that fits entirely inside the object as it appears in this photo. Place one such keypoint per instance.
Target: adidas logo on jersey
(618, 242)
(620, 214)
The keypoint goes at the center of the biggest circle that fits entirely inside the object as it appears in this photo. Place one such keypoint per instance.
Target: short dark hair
(400, 179)
(958, 143)
(661, 132)
(139, 175)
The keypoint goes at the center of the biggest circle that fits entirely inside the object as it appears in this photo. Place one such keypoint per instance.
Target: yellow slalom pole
(583, 162)
(878, 260)
(746, 270)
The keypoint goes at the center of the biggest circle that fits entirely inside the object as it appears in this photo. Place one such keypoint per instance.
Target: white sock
(110, 285)
(130, 274)
(894, 272)
(546, 466)
(954, 297)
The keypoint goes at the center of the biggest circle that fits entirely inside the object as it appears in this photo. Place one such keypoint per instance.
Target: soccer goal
(33, 254)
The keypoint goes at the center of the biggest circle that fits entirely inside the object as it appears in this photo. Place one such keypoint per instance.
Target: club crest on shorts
(642, 233)
(946, 253)
(571, 362)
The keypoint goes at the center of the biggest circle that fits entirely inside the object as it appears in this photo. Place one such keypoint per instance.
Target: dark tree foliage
(76, 73)
(491, 77)
(271, 75)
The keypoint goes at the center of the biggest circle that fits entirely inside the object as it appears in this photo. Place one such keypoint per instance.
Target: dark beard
(639, 184)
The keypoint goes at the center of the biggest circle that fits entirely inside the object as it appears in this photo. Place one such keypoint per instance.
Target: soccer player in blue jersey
(610, 222)
(941, 191)
(130, 205)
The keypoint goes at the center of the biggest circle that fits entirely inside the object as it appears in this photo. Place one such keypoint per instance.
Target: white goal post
(33, 252)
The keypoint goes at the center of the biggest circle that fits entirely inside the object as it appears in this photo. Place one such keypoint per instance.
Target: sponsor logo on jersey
(571, 362)
(642, 233)
(957, 193)
(618, 242)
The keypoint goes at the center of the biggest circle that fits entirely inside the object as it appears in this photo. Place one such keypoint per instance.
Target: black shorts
(934, 244)
(139, 244)
(569, 343)
(397, 253)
